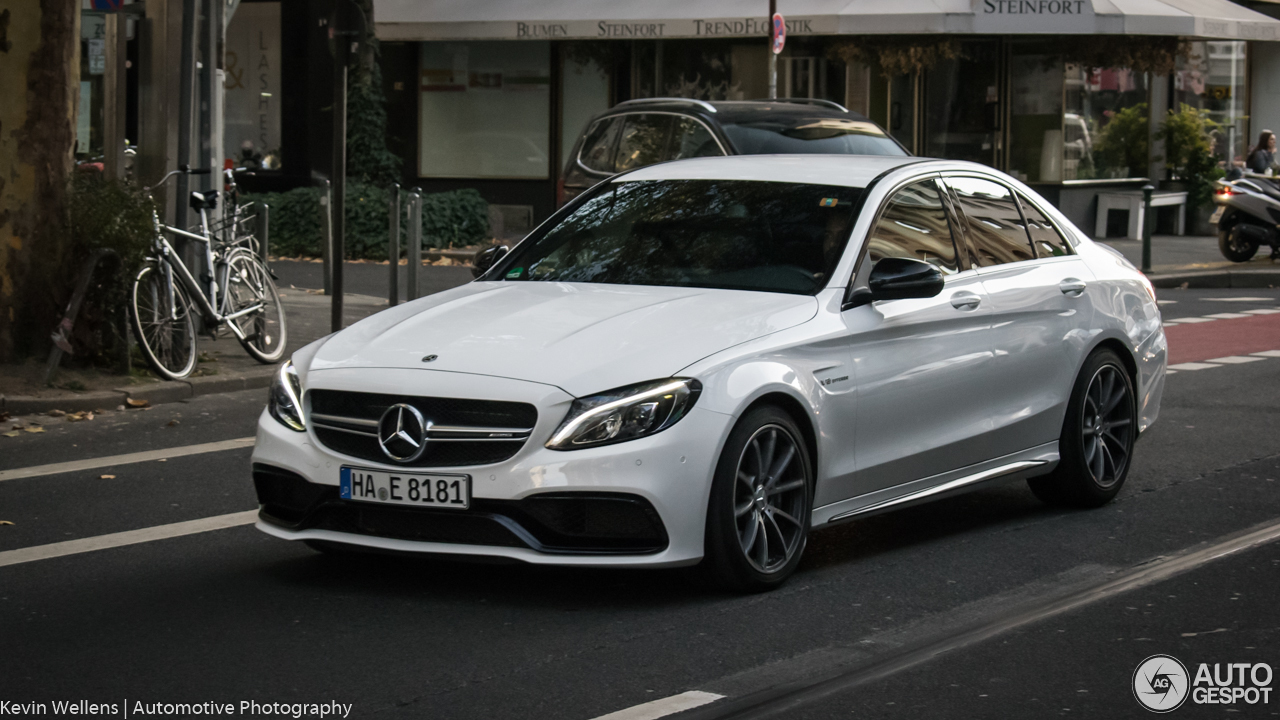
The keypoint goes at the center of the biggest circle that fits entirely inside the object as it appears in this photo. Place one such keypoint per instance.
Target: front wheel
(761, 498)
(1096, 445)
(162, 323)
(249, 285)
(1234, 246)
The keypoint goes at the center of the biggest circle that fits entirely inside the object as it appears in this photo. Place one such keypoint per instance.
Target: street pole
(393, 245)
(186, 96)
(414, 251)
(1147, 221)
(341, 48)
(773, 57)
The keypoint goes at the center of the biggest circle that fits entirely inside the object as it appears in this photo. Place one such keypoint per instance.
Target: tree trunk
(39, 82)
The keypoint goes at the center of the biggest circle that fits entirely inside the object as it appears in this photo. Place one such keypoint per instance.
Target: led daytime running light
(571, 428)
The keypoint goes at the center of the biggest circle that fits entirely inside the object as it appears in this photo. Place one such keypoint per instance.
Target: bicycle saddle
(204, 200)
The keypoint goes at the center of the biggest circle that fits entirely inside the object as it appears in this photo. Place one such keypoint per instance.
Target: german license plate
(451, 492)
(1216, 216)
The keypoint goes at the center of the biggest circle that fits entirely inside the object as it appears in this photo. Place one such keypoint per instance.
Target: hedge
(449, 219)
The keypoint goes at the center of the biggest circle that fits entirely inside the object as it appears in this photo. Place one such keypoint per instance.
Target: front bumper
(637, 503)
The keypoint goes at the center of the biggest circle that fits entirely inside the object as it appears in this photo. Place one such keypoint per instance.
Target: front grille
(463, 432)
(553, 523)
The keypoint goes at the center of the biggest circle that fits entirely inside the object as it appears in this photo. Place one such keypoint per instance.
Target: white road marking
(1228, 316)
(1166, 302)
(129, 537)
(1263, 311)
(664, 707)
(1267, 353)
(1170, 324)
(1192, 320)
(1170, 372)
(1239, 299)
(126, 459)
(1235, 359)
(1192, 366)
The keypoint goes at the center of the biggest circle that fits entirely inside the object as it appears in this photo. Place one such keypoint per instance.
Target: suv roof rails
(700, 103)
(809, 101)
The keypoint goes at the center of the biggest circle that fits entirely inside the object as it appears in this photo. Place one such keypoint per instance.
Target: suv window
(914, 225)
(597, 148)
(643, 141)
(995, 225)
(1046, 239)
(789, 135)
(692, 139)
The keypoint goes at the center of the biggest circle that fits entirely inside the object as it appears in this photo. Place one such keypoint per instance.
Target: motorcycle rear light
(1224, 191)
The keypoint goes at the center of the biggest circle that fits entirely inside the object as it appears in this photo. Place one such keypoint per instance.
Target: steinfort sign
(1033, 16)
(427, 20)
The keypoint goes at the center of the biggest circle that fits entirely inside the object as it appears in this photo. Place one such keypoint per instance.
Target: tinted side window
(914, 225)
(692, 139)
(597, 148)
(1044, 236)
(995, 226)
(643, 141)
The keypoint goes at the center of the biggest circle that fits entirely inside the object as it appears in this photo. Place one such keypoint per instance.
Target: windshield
(834, 136)
(774, 237)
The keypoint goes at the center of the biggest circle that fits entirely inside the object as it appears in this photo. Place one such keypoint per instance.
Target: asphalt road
(909, 614)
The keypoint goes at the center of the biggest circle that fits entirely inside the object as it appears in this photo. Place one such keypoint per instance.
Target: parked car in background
(637, 133)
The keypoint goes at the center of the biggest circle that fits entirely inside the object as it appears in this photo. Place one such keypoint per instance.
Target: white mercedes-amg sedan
(702, 361)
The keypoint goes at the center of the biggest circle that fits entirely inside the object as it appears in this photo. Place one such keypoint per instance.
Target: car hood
(583, 338)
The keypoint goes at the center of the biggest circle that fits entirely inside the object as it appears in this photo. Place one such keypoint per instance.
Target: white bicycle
(235, 291)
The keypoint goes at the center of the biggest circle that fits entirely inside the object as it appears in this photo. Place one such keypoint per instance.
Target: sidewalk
(1196, 261)
(224, 366)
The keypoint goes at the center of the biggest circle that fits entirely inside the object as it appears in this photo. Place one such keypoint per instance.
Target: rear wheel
(1096, 444)
(163, 323)
(761, 497)
(1234, 246)
(249, 285)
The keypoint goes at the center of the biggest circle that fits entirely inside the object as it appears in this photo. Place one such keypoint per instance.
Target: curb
(157, 394)
(1218, 279)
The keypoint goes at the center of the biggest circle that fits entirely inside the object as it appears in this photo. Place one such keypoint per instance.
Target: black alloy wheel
(1096, 445)
(761, 499)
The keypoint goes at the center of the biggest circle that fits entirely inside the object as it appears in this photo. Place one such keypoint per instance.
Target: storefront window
(1037, 147)
(485, 110)
(585, 92)
(1106, 122)
(1212, 78)
(963, 99)
(252, 133)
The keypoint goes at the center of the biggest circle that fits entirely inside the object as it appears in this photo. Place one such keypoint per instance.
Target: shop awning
(654, 19)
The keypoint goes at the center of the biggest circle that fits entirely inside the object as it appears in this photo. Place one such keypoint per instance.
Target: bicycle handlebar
(182, 170)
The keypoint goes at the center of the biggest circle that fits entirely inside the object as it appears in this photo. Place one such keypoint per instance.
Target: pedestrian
(1262, 158)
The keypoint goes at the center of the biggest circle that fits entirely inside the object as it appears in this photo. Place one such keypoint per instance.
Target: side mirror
(896, 279)
(486, 259)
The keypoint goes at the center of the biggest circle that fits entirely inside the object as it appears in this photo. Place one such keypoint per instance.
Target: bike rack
(61, 335)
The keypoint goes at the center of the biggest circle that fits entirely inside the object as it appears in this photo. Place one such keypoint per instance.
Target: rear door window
(914, 225)
(643, 141)
(597, 148)
(996, 229)
(692, 139)
(1046, 239)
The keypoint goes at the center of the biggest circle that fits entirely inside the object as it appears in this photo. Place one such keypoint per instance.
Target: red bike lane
(1197, 342)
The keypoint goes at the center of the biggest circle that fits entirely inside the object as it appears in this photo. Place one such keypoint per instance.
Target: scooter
(1247, 216)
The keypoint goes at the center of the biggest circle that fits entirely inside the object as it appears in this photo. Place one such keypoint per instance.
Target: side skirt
(1017, 466)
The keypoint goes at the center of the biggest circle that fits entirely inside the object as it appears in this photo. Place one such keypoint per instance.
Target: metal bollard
(393, 245)
(264, 233)
(1148, 219)
(415, 244)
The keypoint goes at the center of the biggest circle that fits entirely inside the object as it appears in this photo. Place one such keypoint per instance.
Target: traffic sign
(779, 33)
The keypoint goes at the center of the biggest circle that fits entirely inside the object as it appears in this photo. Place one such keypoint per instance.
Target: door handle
(1072, 287)
(965, 301)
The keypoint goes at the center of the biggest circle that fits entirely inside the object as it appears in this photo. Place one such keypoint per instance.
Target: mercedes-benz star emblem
(402, 432)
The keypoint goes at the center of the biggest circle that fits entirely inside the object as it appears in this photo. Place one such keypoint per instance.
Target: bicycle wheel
(248, 285)
(165, 328)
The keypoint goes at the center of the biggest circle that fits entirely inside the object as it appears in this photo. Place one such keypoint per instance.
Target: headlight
(285, 401)
(625, 413)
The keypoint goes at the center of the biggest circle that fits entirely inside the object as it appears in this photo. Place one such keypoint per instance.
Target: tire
(249, 283)
(1095, 448)
(777, 506)
(166, 338)
(1233, 246)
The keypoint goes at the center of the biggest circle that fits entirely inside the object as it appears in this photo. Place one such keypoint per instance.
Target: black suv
(636, 133)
